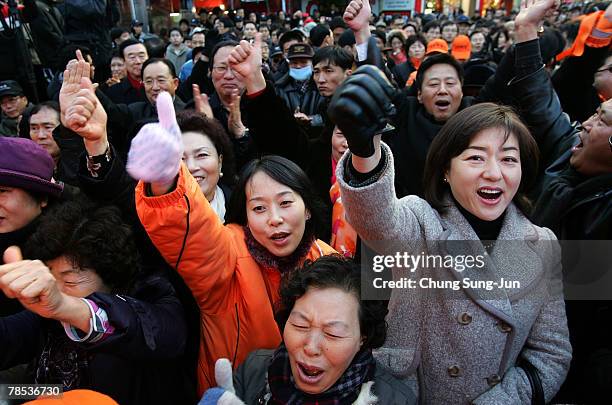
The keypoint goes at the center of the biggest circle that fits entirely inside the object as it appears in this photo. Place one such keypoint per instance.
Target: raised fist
(361, 107)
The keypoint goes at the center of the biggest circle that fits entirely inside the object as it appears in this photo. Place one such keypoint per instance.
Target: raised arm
(173, 210)
(281, 135)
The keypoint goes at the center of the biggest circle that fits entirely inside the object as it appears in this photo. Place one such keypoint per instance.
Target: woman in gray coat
(483, 309)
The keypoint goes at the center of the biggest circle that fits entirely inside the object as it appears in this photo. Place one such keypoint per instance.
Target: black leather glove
(361, 108)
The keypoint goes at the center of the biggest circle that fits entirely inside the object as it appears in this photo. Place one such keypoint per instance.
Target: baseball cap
(461, 48)
(276, 51)
(300, 51)
(437, 45)
(136, 23)
(10, 88)
(463, 19)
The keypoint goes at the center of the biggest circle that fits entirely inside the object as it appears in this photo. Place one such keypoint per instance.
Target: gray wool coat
(463, 346)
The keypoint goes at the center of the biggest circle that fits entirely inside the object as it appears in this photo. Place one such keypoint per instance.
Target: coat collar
(514, 258)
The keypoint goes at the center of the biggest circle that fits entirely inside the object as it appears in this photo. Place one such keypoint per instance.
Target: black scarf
(283, 264)
(345, 391)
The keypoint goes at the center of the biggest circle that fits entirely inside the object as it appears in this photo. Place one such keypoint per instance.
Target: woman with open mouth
(470, 346)
(233, 270)
(329, 331)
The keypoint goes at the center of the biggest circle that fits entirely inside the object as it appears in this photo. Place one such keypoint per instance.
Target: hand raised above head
(85, 114)
(361, 108)
(156, 151)
(71, 84)
(357, 15)
(530, 17)
(245, 60)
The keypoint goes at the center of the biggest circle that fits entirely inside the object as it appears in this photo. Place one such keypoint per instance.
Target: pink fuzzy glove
(156, 152)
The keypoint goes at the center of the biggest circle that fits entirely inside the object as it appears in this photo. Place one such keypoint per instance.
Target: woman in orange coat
(233, 270)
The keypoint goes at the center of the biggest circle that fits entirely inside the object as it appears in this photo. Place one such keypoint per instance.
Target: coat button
(464, 318)
(504, 327)
(454, 371)
(493, 380)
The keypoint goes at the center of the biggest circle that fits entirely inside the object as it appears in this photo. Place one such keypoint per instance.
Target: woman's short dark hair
(456, 135)
(334, 271)
(413, 39)
(396, 34)
(80, 230)
(285, 172)
(190, 120)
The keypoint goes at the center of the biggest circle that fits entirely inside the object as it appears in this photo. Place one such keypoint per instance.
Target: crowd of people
(190, 216)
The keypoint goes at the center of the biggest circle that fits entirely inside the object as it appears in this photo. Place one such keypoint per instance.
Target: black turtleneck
(485, 230)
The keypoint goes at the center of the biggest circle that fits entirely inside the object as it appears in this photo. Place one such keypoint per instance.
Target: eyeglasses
(160, 81)
(607, 68)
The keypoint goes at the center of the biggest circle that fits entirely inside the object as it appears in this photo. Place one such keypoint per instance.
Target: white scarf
(218, 203)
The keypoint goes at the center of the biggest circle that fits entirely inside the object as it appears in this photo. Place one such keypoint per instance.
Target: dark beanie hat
(26, 165)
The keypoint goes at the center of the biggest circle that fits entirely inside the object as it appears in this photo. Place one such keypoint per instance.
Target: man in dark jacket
(13, 104)
(297, 88)
(130, 89)
(48, 33)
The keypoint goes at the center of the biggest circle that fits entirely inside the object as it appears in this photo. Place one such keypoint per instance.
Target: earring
(446, 181)
(220, 174)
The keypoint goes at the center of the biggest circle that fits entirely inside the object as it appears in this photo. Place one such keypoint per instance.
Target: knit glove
(361, 108)
(224, 393)
(156, 151)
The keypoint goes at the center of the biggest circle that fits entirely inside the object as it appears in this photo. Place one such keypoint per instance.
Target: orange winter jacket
(234, 293)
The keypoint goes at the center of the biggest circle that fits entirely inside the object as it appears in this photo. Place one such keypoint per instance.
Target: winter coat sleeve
(547, 347)
(395, 219)
(191, 238)
(19, 338)
(150, 324)
(539, 107)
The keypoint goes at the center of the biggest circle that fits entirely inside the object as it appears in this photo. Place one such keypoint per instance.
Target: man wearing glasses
(130, 89)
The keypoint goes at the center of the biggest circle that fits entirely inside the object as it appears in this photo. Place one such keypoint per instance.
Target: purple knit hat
(24, 164)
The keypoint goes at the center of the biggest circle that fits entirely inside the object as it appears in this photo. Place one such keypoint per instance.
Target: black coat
(308, 102)
(283, 136)
(139, 363)
(124, 93)
(576, 208)
(48, 33)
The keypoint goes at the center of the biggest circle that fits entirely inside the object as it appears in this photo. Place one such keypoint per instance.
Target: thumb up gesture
(156, 151)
